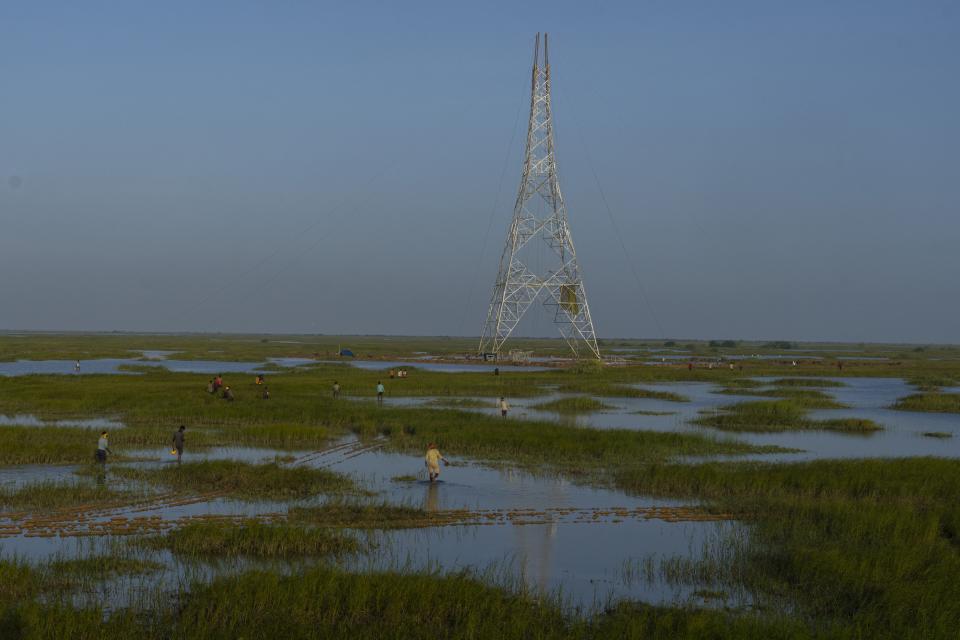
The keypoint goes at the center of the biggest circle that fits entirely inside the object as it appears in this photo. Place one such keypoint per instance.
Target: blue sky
(775, 169)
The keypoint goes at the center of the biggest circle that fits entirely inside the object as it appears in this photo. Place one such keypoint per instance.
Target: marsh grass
(102, 566)
(51, 494)
(867, 548)
(376, 605)
(936, 434)
(254, 539)
(779, 415)
(575, 404)
(807, 398)
(383, 515)
(544, 445)
(243, 480)
(606, 389)
(929, 402)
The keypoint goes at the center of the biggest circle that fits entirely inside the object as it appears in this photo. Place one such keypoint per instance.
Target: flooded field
(902, 434)
(602, 488)
(539, 527)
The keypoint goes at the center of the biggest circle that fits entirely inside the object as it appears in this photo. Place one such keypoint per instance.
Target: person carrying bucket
(178, 443)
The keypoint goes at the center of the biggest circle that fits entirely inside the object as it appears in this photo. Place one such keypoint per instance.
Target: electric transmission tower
(539, 220)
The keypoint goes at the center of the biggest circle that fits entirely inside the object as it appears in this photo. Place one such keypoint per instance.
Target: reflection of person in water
(431, 501)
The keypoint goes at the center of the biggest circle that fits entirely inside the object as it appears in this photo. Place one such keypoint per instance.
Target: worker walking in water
(103, 448)
(432, 461)
(178, 442)
(380, 391)
(504, 407)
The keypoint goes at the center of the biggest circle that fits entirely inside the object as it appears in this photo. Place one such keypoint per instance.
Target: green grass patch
(936, 434)
(606, 389)
(253, 538)
(929, 402)
(806, 398)
(247, 481)
(51, 494)
(779, 415)
(867, 548)
(545, 445)
(576, 404)
(102, 566)
(356, 515)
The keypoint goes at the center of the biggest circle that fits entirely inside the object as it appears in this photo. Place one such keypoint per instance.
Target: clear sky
(775, 169)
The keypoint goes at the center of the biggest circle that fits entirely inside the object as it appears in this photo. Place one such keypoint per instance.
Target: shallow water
(30, 420)
(557, 550)
(156, 354)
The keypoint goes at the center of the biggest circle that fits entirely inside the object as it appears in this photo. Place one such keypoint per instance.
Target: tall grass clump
(53, 494)
(806, 398)
(268, 481)
(253, 538)
(576, 404)
(778, 415)
(329, 603)
(551, 446)
(929, 402)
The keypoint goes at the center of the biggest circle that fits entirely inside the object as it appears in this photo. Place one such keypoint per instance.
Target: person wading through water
(178, 442)
(103, 448)
(432, 461)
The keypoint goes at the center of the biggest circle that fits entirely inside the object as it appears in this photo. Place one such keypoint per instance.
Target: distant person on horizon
(217, 383)
(103, 448)
(211, 389)
(504, 407)
(432, 461)
(336, 390)
(266, 392)
(178, 442)
(76, 366)
(380, 391)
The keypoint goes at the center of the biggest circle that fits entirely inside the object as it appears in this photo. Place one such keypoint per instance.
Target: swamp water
(552, 535)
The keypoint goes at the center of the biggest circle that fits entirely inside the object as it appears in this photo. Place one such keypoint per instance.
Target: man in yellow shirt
(432, 461)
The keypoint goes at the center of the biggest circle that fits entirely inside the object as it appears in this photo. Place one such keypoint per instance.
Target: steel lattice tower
(539, 215)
